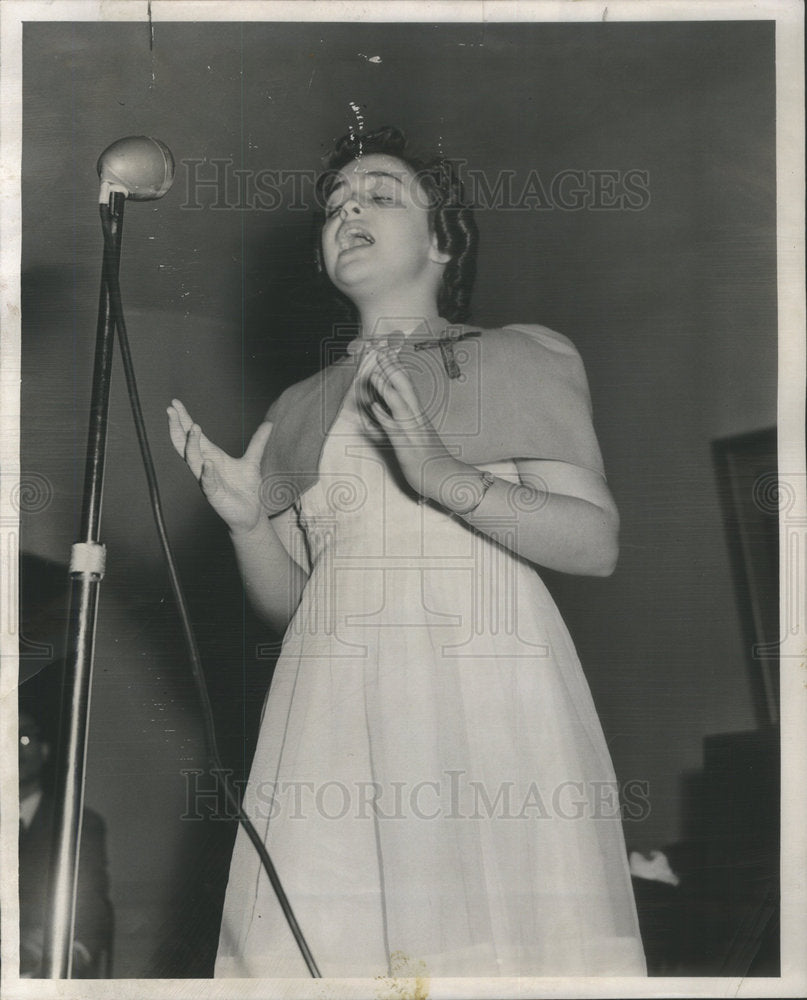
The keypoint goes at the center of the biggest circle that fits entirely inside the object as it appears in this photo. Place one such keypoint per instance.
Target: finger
(382, 417)
(258, 442)
(207, 449)
(176, 432)
(399, 379)
(209, 479)
(383, 384)
(396, 403)
(185, 420)
(193, 453)
(388, 363)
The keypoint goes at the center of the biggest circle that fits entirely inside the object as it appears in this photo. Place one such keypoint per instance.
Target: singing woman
(431, 778)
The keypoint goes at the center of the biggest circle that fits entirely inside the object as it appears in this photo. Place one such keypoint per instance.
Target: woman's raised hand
(231, 485)
(424, 460)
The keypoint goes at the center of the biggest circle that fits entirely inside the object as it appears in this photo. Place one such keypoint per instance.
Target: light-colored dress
(431, 778)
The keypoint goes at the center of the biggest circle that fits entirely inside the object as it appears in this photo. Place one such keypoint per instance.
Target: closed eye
(384, 199)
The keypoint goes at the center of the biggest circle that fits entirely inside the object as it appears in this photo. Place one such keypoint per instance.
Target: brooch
(446, 345)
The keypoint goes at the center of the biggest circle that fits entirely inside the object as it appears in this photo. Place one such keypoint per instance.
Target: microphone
(139, 167)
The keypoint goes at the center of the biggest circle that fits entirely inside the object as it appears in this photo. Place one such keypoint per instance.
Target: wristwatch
(486, 479)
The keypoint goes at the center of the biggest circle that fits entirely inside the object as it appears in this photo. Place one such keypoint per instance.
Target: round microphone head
(139, 166)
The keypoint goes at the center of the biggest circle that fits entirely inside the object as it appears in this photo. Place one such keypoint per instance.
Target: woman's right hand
(231, 485)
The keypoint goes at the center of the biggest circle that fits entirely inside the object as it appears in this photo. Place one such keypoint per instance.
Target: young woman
(431, 778)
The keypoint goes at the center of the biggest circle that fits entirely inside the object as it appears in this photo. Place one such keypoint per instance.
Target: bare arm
(272, 579)
(559, 515)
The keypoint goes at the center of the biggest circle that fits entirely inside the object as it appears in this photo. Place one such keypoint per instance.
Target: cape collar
(438, 333)
(511, 393)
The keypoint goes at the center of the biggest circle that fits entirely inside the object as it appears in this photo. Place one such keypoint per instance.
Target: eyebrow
(367, 173)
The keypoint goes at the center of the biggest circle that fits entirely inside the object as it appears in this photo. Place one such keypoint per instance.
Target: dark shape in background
(42, 596)
(752, 494)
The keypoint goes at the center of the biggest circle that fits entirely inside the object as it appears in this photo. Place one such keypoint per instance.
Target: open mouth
(354, 236)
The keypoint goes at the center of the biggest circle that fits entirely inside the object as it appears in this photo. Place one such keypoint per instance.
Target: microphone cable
(111, 224)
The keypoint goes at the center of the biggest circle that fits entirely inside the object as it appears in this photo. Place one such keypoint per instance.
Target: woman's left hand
(566, 517)
(423, 458)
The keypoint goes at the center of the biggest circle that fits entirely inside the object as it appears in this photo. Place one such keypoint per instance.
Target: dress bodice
(361, 503)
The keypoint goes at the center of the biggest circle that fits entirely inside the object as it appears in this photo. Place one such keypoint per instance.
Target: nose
(351, 206)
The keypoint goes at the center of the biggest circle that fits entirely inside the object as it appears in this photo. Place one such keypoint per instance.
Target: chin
(350, 278)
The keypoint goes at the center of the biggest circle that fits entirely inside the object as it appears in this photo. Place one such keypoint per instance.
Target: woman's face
(377, 234)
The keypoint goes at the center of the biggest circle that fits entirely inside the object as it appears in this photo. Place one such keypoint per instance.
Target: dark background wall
(672, 307)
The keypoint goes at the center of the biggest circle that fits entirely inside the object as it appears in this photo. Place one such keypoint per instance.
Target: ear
(436, 254)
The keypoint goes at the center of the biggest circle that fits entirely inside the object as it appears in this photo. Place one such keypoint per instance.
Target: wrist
(440, 475)
(247, 533)
(460, 488)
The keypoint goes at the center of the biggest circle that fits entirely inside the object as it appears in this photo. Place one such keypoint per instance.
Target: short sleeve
(535, 397)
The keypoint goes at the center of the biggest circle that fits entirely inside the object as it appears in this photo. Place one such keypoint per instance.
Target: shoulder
(530, 337)
(543, 335)
(292, 393)
(298, 393)
(524, 347)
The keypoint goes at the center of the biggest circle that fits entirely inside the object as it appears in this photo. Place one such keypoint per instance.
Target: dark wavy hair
(451, 216)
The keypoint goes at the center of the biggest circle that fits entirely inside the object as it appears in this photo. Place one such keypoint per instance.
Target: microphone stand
(87, 560)
(86, 572)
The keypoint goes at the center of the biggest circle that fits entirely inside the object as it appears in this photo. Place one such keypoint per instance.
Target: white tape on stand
(88, 557)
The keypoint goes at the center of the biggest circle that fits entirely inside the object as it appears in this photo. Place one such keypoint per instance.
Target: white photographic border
(788, 15)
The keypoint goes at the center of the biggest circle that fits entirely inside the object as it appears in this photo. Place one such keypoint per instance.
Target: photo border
(791, 449)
